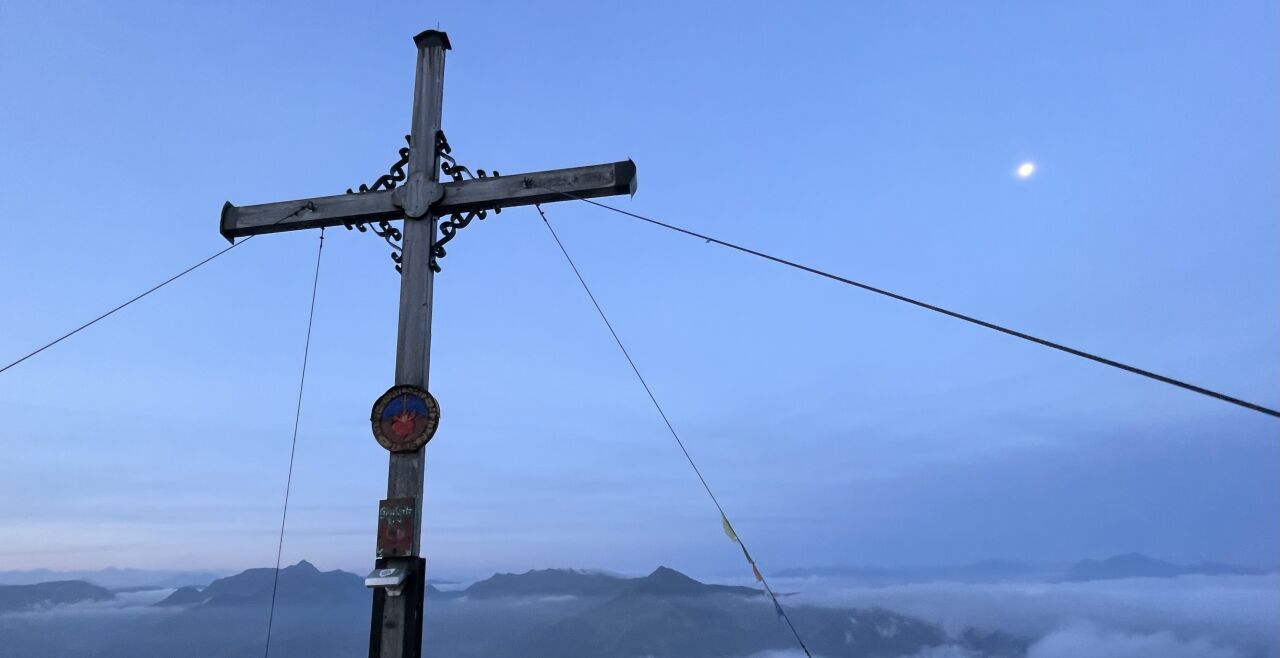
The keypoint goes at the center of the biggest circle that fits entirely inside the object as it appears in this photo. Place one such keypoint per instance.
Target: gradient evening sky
(876, 140)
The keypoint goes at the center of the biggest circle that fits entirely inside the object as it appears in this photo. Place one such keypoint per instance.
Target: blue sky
(874, 140)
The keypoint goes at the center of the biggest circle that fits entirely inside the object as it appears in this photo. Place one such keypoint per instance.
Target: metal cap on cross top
(428, 38)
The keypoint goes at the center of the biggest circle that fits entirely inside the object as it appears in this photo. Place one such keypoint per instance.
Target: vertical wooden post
(397, 620)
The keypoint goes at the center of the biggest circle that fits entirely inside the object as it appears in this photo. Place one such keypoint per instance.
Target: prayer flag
(728, 529)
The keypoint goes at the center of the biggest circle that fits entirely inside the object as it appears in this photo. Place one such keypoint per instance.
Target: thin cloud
(1086, 639)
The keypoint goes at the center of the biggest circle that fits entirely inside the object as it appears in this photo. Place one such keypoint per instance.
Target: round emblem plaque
(405, 418)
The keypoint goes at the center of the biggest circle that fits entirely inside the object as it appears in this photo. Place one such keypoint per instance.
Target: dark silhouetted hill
(184, 596)
(563, 613)
(669, 582)
(43, 595)
(547, 582)
(301, 582)
(571, 582)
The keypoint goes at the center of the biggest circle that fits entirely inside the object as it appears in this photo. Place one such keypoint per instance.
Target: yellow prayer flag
(728, 529)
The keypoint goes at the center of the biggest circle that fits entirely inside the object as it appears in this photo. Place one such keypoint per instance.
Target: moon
(1026, 169)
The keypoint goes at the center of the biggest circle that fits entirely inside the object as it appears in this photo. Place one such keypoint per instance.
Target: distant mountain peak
(667, 573)
(546, 582)
(301, 582)
(1137, 565)
(988, 570)
(183, 596)
(665, 581)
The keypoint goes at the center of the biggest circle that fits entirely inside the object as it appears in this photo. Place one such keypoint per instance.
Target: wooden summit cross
(398, 579)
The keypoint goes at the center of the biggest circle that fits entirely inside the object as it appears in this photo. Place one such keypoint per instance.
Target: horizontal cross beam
(459, 197)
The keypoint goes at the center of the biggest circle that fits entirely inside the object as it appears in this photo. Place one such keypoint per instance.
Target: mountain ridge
(1137, 565)
(58, 592)
(1125, 565)
(301, 582)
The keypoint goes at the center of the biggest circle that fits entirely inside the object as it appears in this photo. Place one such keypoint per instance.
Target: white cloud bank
(1202, 616)
(1089, 640)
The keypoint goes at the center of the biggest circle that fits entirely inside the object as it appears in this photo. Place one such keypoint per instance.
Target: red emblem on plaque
(405, 418)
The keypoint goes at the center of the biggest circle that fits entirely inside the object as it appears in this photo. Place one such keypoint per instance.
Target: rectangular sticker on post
(395, 527)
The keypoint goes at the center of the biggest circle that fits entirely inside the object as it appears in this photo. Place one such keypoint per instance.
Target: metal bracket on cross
(450, 167)
(416, 197)
(384, 229)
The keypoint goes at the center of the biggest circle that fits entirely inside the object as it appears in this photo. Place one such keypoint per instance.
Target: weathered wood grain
(401, 622)
(538, 187)
(459, 196)
(242, 221)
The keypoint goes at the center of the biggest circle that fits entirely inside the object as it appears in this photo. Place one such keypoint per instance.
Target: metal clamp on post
(392, 579)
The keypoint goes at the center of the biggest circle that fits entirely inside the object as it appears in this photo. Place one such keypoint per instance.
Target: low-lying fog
(1184, 617)
(1201, 616)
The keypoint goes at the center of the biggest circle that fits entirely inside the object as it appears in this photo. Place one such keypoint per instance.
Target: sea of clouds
(1185, 617)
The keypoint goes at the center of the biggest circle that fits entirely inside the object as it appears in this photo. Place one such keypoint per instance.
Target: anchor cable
(652, 398)
(938, 309)
(293, 447)
(150, 290)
